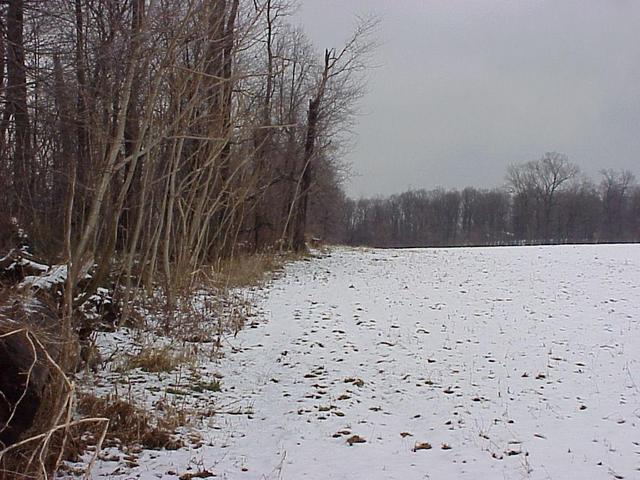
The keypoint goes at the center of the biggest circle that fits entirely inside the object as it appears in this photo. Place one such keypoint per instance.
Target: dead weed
(131, 425)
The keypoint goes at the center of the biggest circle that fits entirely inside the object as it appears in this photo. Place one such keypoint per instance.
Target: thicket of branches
(155, 136)
(544, 201)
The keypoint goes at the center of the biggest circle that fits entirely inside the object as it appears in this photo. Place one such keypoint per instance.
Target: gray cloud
(466, 87)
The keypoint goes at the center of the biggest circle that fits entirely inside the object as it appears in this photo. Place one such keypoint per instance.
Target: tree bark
(16, 98)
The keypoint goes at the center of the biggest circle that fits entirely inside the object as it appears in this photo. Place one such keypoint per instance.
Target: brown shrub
(131, 425)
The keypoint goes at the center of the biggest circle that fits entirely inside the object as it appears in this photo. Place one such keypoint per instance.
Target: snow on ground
(508, 362)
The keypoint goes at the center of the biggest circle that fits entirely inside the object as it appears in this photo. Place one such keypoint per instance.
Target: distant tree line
(543, 201)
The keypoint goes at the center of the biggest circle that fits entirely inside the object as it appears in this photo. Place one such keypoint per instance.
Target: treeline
(152, 137)
(544, 201)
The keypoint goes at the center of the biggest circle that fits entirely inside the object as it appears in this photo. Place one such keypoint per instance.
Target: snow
(51, 276)
(56, 275)
(521, 362)
(24, 262)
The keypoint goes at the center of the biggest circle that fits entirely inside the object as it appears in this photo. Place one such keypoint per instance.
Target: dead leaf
(355, 439)
(422, 446)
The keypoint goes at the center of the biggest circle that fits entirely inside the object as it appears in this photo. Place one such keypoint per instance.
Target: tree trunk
(307, 175)
(313, 116)
(263, 136)
(16, 98)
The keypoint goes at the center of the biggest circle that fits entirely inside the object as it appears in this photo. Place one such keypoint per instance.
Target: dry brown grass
(156, 359)
(130, 425)
(251, 270)
(218, 310)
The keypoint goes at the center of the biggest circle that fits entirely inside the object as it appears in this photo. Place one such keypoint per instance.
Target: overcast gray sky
(466, 87)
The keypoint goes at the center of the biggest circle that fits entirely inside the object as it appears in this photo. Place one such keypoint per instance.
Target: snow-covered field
(508, 362)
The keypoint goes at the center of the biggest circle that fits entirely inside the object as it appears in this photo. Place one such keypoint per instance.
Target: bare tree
(536, 185)
(341, 69)
(614, 189)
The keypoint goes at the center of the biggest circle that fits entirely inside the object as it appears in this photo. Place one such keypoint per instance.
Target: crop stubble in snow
(436, 363)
